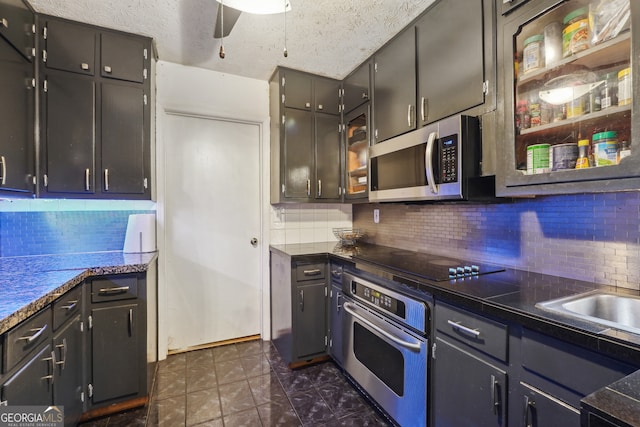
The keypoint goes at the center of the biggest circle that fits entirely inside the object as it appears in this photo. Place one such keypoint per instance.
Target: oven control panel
(379, 299)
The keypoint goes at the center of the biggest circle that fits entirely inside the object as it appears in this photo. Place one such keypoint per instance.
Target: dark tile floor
(247, 384)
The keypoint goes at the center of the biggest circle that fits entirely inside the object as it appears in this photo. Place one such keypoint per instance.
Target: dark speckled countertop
(29, 283)
(512, 295)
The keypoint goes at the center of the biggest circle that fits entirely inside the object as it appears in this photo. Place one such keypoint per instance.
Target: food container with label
(563, 156)
(533, 53)
(609, 90)
(537, 159)
(583, 154)
(624, 86)
(605, 148)
(575, 36)
(552, 43)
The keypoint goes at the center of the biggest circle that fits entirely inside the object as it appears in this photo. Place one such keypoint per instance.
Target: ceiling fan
(229, 11)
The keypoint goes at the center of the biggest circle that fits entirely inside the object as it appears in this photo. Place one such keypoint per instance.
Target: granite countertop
(29, 283)
(512, 295)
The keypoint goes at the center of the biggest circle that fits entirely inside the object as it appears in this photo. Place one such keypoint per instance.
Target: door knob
(254, 242)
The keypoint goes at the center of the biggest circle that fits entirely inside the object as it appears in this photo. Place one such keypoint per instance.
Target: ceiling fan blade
(231, 15)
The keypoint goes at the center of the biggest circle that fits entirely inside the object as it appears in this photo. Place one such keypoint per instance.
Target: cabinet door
(123, 136)
(357, 87)
(327, 157)
(326, 96)
(122, 57)
(357, 153)
(114, 352)
(68, 382)
(70, 47)
(297, 155)
(297, 90)
(468, 390)
(450, 59)
(16, 121)
(310, 320)
(70, 134)
(335, 324)
(16, 21)
(395, 87)
(541, 409)
(31, 384)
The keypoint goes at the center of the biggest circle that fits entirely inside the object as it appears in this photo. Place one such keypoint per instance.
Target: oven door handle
(348, 307)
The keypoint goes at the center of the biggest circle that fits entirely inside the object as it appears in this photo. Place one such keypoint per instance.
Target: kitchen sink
(616, 311)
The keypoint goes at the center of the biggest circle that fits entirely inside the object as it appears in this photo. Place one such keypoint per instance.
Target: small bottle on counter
(583, 154)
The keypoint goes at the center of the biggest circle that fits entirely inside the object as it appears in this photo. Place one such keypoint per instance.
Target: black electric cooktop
(427, 266)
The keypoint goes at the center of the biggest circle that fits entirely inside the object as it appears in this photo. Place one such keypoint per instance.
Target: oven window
(382, 359)
(399, 169)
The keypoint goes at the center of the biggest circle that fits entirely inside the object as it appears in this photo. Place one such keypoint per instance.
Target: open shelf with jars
(357, 150)
(569, 105)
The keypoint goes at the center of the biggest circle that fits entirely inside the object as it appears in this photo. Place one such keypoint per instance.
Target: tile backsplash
(308, 222)
(54, 227)
(594, 237)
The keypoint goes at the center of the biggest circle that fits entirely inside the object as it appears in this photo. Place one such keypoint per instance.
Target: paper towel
(141, 234)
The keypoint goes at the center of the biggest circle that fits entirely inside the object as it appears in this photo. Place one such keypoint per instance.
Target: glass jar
(605, 148)
(609, 91)
(533, 53)
(575, 36)
(624, 87)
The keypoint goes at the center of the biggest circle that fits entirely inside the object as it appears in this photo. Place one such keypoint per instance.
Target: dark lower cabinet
(466, 389)
(68, 384)
(32, 382)
(540, 409)
(310, 319)
(115, 344)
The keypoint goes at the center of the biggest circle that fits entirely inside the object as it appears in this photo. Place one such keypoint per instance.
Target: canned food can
(564, 156)
(605, 148)
(575, 36)
(533, 53)
(537, 159)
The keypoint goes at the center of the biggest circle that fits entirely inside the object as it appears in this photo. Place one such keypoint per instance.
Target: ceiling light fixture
(260, 7)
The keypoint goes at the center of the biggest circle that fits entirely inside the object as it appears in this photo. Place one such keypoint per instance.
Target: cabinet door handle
(320, 107)
(495, 392)
(107, 69)
(51, 359)
(338, 305)
(87, 173)
(301, 299)
(319, 188)
(364, 95)
(464, 329)
(84, 66)
(423, 108)
(308, 187)
(63, 361)
(114, 290)
(131, 322)
(409, 115)
(528, 408)
(307, 104)
(4, 22)
(106, 180)
(35, 336)
(3, 179)
(70, 306)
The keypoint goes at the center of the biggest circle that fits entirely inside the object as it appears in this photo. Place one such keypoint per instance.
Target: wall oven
(386, 345)
(440, 161)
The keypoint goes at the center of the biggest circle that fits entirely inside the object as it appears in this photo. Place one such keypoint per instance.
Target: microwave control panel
(379, 299)
(448, 148)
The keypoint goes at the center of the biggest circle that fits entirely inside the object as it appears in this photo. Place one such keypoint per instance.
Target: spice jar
(624, 87)
(533, 53)
(575, 36)
(583, 154)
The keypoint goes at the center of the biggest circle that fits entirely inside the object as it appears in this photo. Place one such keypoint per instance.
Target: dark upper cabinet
(68, 155)
(69, 47)
(450, 59)
(394, 87)
(17, 164)
(16, 26)
(123, 124)
(95, 132)
(123, 57)
(357, 87)
(305, 137)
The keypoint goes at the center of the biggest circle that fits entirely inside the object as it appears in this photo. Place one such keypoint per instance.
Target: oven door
(387, 361)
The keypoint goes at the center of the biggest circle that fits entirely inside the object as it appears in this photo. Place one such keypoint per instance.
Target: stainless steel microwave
(440, 161)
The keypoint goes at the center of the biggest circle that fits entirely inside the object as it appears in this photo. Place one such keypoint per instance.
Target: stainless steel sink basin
(616, 311)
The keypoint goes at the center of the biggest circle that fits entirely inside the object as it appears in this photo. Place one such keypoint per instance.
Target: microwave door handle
(428, 163)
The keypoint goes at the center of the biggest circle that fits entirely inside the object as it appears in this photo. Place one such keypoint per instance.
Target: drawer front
(67, 306)
(114, 288)
(484, 334)
(28, 335)
(310, 271)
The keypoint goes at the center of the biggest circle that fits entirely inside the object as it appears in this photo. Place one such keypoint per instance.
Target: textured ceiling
(326, 37)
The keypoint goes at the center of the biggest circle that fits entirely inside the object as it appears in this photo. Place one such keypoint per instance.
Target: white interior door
(212, 212)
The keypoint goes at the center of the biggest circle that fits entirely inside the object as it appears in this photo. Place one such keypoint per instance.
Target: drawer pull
(116, 290)
(313, 272)
(464, 329)
(70, 306)
(32, 338)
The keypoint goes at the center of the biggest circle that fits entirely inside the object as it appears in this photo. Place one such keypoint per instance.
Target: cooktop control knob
(467, 270)
(452, 272)
(460, 271)
(475, 269)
